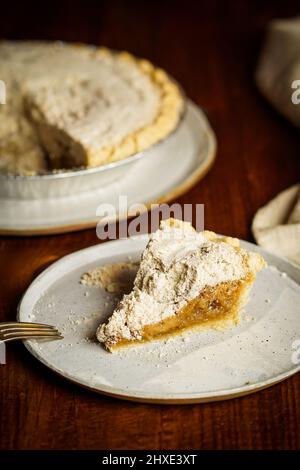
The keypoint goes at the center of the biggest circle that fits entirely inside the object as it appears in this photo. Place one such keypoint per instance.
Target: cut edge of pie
(208, 292)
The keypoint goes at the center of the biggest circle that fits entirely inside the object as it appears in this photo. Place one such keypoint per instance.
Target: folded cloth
(278, 71)
(276, 226)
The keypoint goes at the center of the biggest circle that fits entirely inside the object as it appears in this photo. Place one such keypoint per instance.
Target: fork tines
(21, 330)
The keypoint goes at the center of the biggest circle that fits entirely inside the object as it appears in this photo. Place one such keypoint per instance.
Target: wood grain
(211, 49)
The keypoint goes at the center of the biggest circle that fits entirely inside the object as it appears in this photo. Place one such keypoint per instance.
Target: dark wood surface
(211, 49)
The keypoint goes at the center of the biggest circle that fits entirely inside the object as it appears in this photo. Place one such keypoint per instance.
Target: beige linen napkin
(278, 68)
(276, 226)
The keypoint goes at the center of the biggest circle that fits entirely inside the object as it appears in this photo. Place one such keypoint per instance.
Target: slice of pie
(186, 279)
(73, 105)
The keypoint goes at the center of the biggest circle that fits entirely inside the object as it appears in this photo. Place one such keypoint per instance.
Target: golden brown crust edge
(166, 121)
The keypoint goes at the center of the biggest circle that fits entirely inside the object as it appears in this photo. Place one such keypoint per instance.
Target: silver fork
(12, 331)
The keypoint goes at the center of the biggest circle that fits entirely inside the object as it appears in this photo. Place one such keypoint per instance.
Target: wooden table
(211, 49)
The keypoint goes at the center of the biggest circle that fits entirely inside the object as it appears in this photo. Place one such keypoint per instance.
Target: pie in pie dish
(74, 105)
(185, 279)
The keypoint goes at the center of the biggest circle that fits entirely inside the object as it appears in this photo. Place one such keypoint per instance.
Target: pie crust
(81, 105)
(197, 281)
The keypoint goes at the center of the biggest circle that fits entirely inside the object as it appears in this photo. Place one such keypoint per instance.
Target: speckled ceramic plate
(168, 170)
(193, 367)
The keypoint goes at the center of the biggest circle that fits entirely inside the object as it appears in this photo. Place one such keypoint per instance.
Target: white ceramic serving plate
(169, 169)
(193, 367)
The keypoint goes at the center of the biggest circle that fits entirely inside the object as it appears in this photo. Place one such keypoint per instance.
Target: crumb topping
(177, 264)
(116, 278)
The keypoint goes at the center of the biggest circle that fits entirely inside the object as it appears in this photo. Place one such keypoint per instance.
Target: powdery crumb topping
(80, 105)
(177, 264)
(116, 278)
